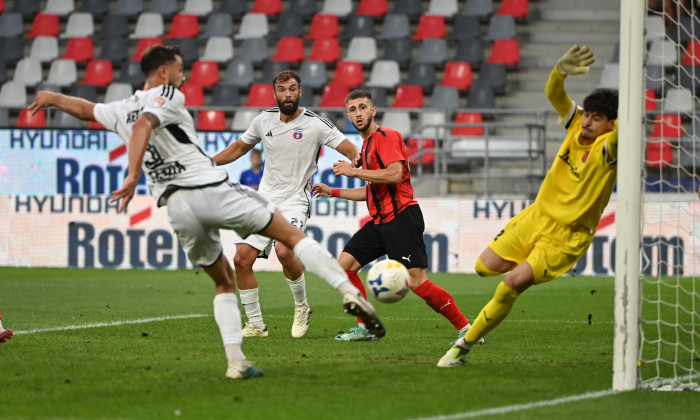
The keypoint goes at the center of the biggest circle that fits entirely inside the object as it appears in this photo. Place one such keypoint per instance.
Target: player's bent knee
(484, 271)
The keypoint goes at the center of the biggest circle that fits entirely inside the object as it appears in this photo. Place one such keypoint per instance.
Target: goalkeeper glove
(576, 60)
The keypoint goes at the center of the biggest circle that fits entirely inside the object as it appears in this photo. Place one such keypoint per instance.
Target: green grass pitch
(556, 342)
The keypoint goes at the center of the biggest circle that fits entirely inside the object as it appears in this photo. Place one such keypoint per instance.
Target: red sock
(357, 282)
(442, 302)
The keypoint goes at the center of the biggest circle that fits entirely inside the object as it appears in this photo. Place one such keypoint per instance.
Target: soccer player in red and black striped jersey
(397, 226)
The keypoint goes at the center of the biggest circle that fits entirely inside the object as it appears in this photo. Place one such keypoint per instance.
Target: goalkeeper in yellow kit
(544, 241)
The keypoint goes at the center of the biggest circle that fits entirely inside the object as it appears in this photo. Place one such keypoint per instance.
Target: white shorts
(196, 215)
(294, 211)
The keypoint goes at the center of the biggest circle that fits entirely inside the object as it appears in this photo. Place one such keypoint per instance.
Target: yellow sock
(493, 313)
(482, 270)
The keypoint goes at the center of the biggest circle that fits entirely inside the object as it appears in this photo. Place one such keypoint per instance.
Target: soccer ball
(388, 280)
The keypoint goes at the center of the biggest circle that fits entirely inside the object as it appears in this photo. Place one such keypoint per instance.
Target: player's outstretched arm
(350, 151)
(234, 150)
(576, 60)
(354, 194)
(77, 107)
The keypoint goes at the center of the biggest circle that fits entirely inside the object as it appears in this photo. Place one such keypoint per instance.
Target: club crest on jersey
(298, 134)
(157, 102)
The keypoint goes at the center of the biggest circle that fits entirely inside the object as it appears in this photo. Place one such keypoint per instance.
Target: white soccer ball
(388, 281)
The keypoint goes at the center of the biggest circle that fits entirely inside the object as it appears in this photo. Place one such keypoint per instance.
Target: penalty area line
(111, 324)
(522, 407)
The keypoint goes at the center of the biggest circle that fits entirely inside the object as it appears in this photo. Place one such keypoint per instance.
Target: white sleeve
(108, 114)
(332, 137)
(252, 134)
(166, 106)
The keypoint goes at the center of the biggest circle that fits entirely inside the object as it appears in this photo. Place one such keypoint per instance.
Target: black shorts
(400, 239)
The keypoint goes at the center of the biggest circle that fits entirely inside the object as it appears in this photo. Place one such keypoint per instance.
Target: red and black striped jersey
(384, 201)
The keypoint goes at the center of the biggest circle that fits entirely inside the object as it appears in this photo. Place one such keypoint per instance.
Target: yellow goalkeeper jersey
(578, 185)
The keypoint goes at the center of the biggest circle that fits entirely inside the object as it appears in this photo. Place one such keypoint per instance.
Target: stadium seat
(313, 75)
(218, 24)
(431, 124)
(481, 97)
(374, 8)
(505, 51)
(13, 94)
(62, 73)
(183, 26)
(358, 25)
(399, 50)
(44, 48)
(379, 96)
(470, 50)
(217, 48)
(688, 27)
(261, 95)
(654, 28)
(433, 51)
(412, 150)
(94, 125)
(50, 87)
(326, 50)
(254, 49)
(98, 73)
(253, 25)
(290, 50)
(650, 100)
(334, 96)
(398, 120)
(289, 23)
(44, 25)
(88, 92)
(679, 100)
(348, 73)
(27, 8)
(385, 73)
(662, 52)
(421, 74)
(501, 27)
(519, 9)
(411, 8)
(97, 8)
(465, 27)
(408, 96)
(114, 49)
(234, 8)
(11, 25)
(479, 8)
(468, 118)
(3, 72)
(11, 49)
(610, 76)
(271, 68)
(205, 73)
(340, 8)
(667, 126)
(445, 97)
(242, 119)
(114, 26)
(129, 8)
(494, 76)
(79, 50)
(142, 45)
(59, 7)
(27, 120)
(198, 7)
(362, 49)
(444, 8)
(79, 25)
(688, 77)
(457, 74)
(267, 7)
(190, 50)
(692, 55)
(167, 8)
(430, 26)
(4, 118)
(194, 93)
(655, 76)
(239, 73)
(304, 8)
(211, 120)
(225, 95)
(62, 119)
(131, 74)
(323, 26)
(659, 154)
(148, 25)
(28, 71)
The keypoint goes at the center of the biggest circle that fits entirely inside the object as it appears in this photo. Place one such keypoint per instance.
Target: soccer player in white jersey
(160, 135)
(292, 138)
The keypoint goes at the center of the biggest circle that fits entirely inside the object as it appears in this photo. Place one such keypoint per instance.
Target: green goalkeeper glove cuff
(576, 61)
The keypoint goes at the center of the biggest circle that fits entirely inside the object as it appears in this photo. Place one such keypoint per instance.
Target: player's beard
(368, 122)
(288, 108)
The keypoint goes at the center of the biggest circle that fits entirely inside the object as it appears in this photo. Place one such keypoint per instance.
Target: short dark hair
(285, 75)
(158, 55)
(359, 93)
(602, 101)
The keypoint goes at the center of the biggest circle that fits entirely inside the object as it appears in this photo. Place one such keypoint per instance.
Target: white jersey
(291, 151)
(173, 157)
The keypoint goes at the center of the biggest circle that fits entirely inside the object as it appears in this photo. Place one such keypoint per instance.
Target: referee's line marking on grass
(522, 407)
(111, 324)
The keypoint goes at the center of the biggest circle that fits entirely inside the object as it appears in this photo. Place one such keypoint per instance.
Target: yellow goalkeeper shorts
(549, 247)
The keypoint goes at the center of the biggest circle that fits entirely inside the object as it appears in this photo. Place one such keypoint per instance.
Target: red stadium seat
(2, 6)
(94, 125)
(289, 50)
(99, 73)
(468, 117)
(268, 7)
(457, 74)
(323, 26)
(667, 126)
(650, 102)
(142, 45)
(326, 50)
(79, 49)
(205, 73)
(375, 8)
(194, 94)
(408, 96)
(348, 73)
(261, 95)
(516, 8)
(412, 150)
(505, 51)
(27, 120)
(430, 26)
(659, 154)
(44, 25)
(183, 26)
(334, 96)
(211, 121)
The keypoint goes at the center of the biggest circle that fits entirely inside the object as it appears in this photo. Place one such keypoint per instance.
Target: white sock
(1, 329)
(228, 318)
(320, 262)
(298, 288)
(251, 304)
(465, 328)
